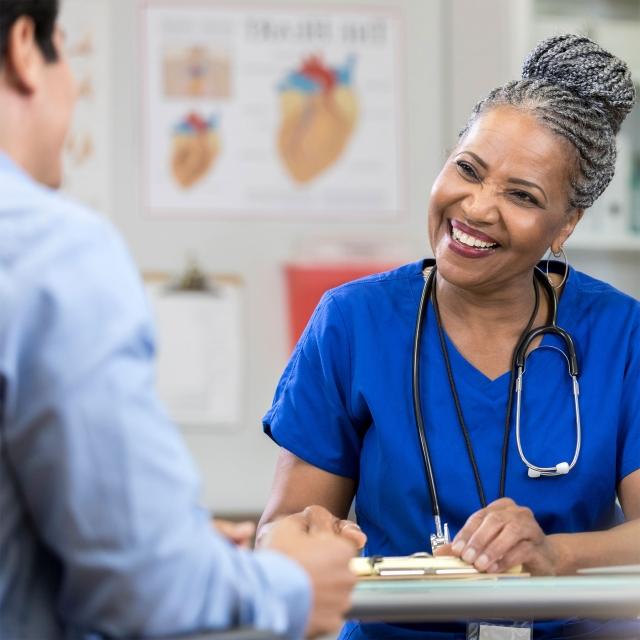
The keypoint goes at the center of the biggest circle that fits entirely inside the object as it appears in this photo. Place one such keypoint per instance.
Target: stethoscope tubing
(518, 369)
(417, 407)
(572, 366)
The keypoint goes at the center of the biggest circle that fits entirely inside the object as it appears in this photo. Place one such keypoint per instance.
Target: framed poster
(272, 111)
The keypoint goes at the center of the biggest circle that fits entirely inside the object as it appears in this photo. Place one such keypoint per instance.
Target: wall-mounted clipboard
(200, 347)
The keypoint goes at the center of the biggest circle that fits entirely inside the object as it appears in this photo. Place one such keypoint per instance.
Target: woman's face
(500, 201)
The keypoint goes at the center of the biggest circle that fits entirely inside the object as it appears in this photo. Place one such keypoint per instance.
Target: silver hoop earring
(563, 255)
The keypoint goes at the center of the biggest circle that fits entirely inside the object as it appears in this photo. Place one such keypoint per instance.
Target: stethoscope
(441, 535)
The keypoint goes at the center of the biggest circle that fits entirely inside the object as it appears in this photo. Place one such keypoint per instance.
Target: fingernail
(493, 568)
(482, 562)
(458, 546)
(469, 555)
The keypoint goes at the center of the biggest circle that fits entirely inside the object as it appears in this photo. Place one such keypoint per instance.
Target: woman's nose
(481, 206)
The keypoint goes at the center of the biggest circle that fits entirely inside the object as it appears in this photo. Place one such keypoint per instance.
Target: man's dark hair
(43, 13)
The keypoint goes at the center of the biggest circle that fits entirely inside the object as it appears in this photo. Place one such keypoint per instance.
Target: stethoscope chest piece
(441, 536)
(561, 468)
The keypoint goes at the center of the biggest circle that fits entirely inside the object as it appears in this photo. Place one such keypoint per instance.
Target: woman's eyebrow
(527, 183)
(477, 158)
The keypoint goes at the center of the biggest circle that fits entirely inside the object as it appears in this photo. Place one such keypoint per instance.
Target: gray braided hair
(581, 92)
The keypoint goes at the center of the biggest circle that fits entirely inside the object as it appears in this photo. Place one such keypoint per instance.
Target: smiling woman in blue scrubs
(535, 154)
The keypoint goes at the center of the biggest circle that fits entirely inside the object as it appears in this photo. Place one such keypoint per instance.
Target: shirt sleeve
(312, 413)
(629, 431)
(105, 475)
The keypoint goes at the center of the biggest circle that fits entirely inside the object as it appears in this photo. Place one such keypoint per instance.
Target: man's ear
(23, 59)
(573, 217)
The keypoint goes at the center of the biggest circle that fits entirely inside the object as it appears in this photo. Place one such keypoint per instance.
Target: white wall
(456, 51)
(237, 467)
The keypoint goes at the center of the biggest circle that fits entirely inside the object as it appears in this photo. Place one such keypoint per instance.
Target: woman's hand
(501, 536)
(239, 533)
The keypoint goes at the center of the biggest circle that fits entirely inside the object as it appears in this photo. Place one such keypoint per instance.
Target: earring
(563, 255)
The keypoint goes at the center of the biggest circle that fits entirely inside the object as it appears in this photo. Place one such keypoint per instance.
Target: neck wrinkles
(508, 306)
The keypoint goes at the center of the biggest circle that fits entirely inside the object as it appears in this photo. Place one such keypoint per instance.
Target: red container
(307, 282)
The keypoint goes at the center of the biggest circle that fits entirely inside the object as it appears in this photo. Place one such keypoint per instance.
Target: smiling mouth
(467, 237)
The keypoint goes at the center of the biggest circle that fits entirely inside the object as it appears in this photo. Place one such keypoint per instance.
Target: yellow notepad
(421, 566)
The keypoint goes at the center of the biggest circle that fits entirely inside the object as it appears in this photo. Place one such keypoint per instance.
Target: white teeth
(470, 241)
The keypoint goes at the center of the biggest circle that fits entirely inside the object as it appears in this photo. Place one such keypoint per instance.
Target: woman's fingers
(240, 533)
(512, 536)
(500, 531)
(474, 521)
(518, 554)
(443, 550)
(479, 541)
(503, 535)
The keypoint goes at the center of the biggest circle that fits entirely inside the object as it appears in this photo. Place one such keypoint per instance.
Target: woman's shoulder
(368, 305)
(393, 282)
(590, 295)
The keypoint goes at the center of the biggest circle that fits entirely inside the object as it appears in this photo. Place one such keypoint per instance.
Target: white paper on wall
(199, 354)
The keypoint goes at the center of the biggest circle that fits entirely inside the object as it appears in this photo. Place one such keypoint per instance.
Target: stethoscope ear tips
(561, 469)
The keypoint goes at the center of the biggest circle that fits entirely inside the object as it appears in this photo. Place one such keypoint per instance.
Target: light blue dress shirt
(100, 527)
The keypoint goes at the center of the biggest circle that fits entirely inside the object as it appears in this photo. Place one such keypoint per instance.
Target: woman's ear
(23, 58)
(573, 217)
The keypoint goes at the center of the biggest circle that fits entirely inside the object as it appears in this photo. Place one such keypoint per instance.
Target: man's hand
(312, 539)
(318, 519)
(502, 536)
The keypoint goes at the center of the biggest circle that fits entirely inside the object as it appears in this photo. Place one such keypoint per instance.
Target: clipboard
(200, 338)
(422, 566)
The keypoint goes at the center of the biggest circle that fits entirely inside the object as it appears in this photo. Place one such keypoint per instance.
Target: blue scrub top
(344, 404)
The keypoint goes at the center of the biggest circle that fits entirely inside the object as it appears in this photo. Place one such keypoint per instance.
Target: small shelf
(605, 242)
(615, 24)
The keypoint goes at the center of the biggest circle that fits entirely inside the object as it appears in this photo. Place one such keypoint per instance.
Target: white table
(594, 597)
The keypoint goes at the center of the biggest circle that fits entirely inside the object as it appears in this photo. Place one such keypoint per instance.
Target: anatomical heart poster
(271, 112)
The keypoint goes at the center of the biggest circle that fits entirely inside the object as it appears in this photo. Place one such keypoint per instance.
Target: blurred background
(253, 155)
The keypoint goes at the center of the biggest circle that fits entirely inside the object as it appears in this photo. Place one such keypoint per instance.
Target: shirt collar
(7, 164)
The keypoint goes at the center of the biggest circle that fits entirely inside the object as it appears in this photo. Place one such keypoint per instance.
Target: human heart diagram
(196, 146)
(319, 112)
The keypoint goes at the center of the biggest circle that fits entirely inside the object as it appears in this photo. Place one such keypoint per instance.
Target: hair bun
(584, 67)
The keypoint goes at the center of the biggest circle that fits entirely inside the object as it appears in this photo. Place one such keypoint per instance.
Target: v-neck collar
(495, 387)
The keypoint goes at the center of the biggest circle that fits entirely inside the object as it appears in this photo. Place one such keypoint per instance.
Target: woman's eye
(466, 169)
(525, 197)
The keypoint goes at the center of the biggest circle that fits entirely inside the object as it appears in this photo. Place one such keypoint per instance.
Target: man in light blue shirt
(100, 529)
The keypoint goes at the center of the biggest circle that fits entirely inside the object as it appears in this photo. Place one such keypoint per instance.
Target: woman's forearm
(620, 545)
